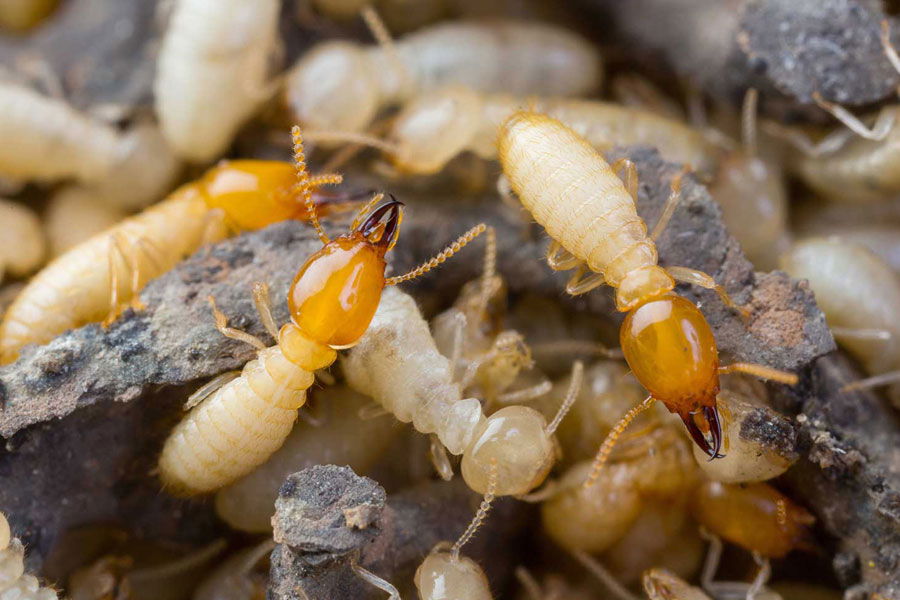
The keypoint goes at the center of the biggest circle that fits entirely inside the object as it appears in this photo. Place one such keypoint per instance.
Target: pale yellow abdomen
(237, 428)
(74, 289)
(574, 194)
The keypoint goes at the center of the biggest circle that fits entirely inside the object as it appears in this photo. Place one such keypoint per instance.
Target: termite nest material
(449, 300)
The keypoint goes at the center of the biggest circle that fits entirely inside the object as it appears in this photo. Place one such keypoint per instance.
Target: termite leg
(631, 175)
(525, 395)
(529, 583)
(117, 250)
(855, 333)
(760, 371)
(578, 284)
(609, 443)
(560, 259)
(830, 143)
(669, 208)
(762, 577)
(210, 388)
(134, 268)
(370, 411)
(596, 568)
(875, 381)
(231, 332)
(439, 459)
(440, 257)
(711, 562)
(383, 37)
(375, 580)
(704, 280)
(878, 132)
(264, 307)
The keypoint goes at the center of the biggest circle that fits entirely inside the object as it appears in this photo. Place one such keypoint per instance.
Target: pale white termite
(398, 365)
(342, 86)
(74, 215)
(341, 439)
(859, 295)
(23, 245)
(15, 584)
(212, 73)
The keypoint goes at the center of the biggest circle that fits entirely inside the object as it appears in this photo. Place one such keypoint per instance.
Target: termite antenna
(875, 381)
(352, 137)
(876, 133)
(571, 395)
(383, 37)
(527, 580)
(611, 439)
(373, 579)
(303, 184)
(749, 113)
(441, 257)
(490, 269)
(483, 510)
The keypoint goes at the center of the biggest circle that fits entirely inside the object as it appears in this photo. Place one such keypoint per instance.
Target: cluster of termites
(639, 455)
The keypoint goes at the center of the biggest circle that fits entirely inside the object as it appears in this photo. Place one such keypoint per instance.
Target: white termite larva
(397, 364)
(23, 245)
(46, 139)
(342, 86)
(212, 73)
(73, 215)
(14, 583)
(342, 439)
(857, 291)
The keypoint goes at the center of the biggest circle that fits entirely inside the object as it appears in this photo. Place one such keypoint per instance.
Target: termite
(859, 294)
(590, 214)
(14, 583)
(399, 366)
(240, 422)
(74, 215)
(212, 72)
(20, 16)
(23, 245)
(96, 278)
(342, 86)
(754, 516)
(443, 123)
(342, 438)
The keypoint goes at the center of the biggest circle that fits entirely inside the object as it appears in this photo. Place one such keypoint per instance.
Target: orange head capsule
(754, 516)
(257, 193)
(671, 350)
(335, 294)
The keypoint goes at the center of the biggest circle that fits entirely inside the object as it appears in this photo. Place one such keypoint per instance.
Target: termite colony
(638, 417)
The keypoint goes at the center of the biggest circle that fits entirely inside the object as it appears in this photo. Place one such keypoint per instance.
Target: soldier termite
(23, 246)
(97, 278)
(859, 295)
(590, 214)
(399, 366)
(342, 86)
(332, 299)
(14, 583)
(212, 72)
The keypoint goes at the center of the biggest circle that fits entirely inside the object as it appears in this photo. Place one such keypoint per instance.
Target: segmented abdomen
(15, 584)
(237, 428)
(574, 194)
(74, 289)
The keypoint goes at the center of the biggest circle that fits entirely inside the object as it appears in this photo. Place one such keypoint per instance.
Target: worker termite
(212, 72)
(75, 289)
(239, 422)
(23, 246)
(399, 366)
(20, 16)
(342, 439)
(754, 516)
(14, 583)
(590, 214)
(443, 123)
(342, 86)
(859, 295)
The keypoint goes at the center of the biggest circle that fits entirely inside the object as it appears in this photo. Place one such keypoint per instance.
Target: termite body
(592, 219)
(342, 86)
(95, 278)
(22, 242)
(212, 72)
(14, 583)
(332, 300)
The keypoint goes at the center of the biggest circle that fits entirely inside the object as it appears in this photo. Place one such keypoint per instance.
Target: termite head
(333, 88)
(257, 193)
(336, 292)
(434, 129)
(671, 350)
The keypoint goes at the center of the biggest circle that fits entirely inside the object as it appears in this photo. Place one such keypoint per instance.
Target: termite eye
(382, 227)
